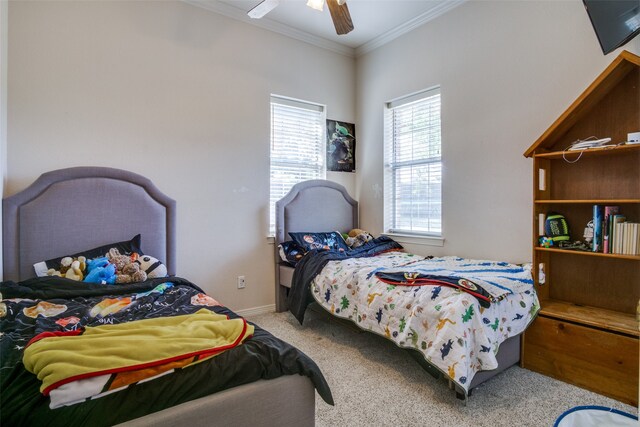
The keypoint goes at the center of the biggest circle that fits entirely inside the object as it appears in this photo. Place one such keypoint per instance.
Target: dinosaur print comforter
(447, 325)
(53, 306)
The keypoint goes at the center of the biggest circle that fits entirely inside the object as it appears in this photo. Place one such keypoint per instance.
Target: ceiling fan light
(316, 4)
(341, 2)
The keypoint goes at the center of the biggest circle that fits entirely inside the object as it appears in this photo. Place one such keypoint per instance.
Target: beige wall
(175, 93)
(507, 70)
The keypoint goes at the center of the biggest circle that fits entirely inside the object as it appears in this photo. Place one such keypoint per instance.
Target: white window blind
(413, 165)
(297, 147)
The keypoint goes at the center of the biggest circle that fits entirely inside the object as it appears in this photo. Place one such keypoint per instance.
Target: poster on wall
(341, 146)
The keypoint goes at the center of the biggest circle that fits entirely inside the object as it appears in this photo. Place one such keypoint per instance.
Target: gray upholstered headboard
(315, 206)
(70, 210)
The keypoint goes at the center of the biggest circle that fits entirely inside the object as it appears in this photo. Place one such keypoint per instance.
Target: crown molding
(408, 26)
(268, 24)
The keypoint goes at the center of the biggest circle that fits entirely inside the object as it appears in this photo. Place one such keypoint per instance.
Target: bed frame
(320, 206)
(314, 206)
(70, 210)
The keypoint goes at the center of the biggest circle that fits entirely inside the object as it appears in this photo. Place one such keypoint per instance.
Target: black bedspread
(314, 261)
(262, 356)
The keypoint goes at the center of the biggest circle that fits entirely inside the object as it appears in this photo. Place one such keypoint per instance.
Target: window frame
(428, 237)
(318, 170)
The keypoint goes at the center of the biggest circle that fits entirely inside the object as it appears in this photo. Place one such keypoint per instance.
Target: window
(297, 147)
(413, 165)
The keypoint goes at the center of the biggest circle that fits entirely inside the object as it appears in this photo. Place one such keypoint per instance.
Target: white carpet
(375, 383)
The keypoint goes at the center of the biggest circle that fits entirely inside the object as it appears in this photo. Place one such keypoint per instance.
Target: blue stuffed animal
(100, 271)
(96, 262)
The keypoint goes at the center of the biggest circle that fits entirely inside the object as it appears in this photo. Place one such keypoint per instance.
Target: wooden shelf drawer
(604, 362)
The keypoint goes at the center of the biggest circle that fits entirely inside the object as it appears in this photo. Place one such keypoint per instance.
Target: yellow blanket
(137, 345)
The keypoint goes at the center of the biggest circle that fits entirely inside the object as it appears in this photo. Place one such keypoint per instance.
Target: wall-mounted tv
(614, 21)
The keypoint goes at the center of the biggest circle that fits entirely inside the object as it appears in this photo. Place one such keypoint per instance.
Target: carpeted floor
(375, 383)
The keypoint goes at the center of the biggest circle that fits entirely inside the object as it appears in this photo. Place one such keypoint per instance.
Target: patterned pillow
(291, 252)
(126, 247)
(331, 240)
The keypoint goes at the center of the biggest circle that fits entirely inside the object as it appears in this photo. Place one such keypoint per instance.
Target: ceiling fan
(338, 8)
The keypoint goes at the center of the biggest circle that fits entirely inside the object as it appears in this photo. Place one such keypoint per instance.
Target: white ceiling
(376, 21)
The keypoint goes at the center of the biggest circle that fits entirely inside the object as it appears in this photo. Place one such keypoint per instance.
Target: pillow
(330, 240)
(125, 248)
(290, 252)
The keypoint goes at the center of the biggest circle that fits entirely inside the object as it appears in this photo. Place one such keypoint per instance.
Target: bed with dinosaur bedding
(135, 344)
(460, 318)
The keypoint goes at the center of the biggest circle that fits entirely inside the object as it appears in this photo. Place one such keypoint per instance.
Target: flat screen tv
(614, 21)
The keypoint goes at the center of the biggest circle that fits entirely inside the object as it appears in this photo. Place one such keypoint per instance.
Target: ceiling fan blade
(340, 16)
(262, 8)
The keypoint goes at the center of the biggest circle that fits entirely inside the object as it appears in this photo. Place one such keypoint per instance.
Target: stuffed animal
(357, 238)
(152, 266)
(127, 270)
(75, 271)
(120, 261)
(131, 273)
(96, 263)
(99, 270)
(99, 274)
(66, 265)
(53, 272)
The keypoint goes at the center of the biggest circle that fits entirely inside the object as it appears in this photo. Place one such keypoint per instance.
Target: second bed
(460, 318)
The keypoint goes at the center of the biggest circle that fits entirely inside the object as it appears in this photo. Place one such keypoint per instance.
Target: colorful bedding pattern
(74, 366)
(53, 305)
(448, 326)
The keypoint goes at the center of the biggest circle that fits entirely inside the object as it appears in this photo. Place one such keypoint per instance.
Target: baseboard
(271, 308)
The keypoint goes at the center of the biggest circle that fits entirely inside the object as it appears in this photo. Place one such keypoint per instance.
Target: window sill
(416, 240)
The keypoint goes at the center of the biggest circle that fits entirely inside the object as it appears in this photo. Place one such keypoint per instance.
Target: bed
(335, 283)
(67, 211)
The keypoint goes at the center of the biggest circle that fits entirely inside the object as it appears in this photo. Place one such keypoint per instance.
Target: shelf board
(588, 253)
(608, 202)
(573, 154)
(597, 317)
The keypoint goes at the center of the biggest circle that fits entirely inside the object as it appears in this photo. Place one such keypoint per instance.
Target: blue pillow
(331, 240)
(291, 252)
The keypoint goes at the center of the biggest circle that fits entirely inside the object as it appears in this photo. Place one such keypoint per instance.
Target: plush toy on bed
(151, 266)
(357, 238)
(71, 268)
(99, 270)
(127, 268)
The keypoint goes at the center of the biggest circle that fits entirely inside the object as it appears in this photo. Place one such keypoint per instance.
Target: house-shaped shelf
(607, 108)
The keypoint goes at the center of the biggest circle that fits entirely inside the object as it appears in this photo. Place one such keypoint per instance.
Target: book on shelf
(629, 238)
(598, 213)
(609, 211)
(616, 233)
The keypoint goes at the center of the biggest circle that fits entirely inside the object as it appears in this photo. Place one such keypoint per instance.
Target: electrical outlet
(241, 282)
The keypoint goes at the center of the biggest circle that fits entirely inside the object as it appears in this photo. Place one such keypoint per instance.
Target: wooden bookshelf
(600, 318)
(571, 155)
(587, 331)
(607, 202)
(589, 253)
